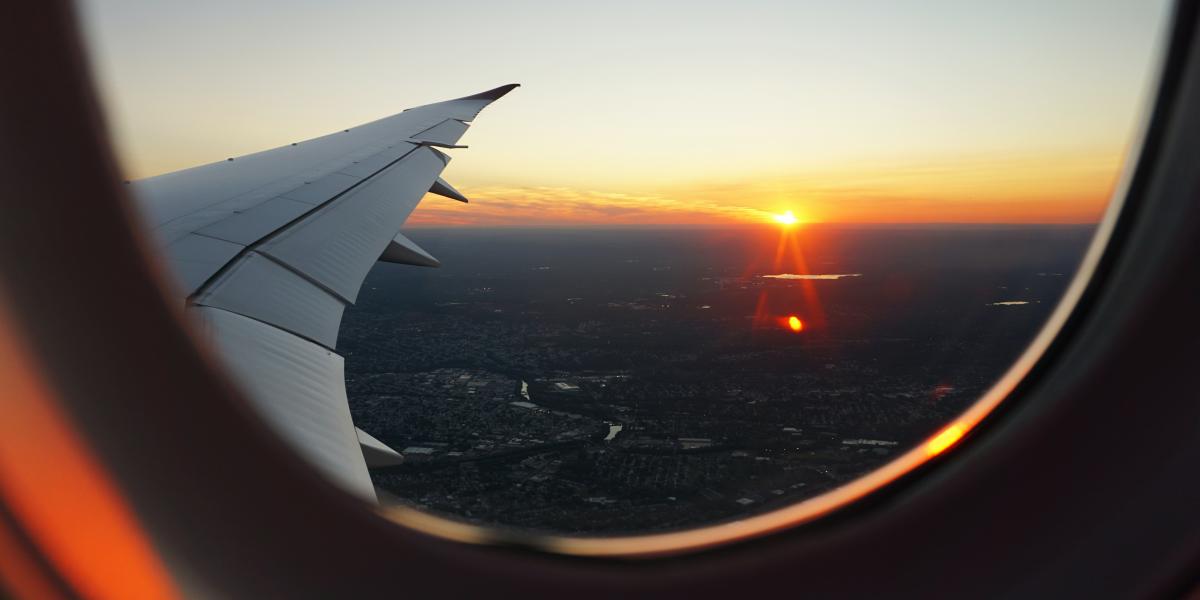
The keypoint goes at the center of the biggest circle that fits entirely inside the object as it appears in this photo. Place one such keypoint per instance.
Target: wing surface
(269, 248)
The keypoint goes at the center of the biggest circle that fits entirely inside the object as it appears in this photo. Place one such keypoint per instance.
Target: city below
(636, 381)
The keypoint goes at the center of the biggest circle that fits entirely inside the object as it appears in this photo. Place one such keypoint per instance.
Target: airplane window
(718, 263)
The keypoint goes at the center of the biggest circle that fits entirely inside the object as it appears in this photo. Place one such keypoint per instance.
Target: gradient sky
(663, 112)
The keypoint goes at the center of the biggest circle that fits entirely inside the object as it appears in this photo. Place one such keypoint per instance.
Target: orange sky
(671, 112)
(1039, 189)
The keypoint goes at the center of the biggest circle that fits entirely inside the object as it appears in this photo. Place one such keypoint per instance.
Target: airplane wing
(269, 248)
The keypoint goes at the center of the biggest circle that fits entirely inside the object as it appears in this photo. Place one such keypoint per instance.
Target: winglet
(494, 93)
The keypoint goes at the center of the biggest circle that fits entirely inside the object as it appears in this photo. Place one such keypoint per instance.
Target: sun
(787, 218)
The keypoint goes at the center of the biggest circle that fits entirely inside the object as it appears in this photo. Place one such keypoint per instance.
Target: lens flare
(787, 218)
(795, 324)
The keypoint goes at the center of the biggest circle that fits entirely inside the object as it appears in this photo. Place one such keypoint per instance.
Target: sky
(640, 113)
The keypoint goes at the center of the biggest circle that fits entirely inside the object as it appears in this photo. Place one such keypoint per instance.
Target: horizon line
(747, 225)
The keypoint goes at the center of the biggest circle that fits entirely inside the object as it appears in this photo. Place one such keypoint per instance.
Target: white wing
(269, 248)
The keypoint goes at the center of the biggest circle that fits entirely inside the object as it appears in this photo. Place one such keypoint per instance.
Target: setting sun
(787, 218)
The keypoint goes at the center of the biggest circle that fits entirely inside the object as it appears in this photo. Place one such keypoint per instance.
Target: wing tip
(493, 93)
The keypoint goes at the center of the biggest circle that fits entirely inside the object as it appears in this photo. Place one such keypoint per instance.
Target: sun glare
(787, 218)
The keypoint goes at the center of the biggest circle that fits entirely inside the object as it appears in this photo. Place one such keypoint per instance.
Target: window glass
(719, 259)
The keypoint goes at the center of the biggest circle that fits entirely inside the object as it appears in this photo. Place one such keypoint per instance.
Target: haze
(666, 112)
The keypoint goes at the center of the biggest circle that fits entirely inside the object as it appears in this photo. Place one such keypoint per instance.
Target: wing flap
(299, 389)
(259, 288)
(337, 245)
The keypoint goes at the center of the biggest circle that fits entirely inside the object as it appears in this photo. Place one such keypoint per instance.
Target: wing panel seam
(305, 277)
(252, 247)
(268, 324)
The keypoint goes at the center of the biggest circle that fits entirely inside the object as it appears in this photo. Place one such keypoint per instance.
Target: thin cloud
(545, 206)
